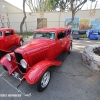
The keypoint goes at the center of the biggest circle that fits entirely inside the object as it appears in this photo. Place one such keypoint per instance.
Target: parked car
(93, 34)
(9, 40)
(77, 34)
(34, 59)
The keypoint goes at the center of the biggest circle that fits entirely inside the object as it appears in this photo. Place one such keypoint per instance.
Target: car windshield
(50, 35)
(0, 33)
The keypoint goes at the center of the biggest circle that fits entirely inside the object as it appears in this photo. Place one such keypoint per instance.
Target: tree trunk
(22, 23)
(73, 14)
(75, 9)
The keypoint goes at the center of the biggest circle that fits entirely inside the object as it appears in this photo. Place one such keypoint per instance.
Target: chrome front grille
(18, 57)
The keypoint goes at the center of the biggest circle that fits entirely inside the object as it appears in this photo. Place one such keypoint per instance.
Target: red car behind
(9, 40)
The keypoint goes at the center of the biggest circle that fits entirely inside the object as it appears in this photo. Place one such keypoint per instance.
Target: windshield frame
(48, 35)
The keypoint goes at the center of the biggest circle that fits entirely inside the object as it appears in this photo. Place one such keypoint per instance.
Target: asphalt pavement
(70, 81)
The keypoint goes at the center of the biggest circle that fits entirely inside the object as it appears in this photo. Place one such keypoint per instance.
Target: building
(11, 16)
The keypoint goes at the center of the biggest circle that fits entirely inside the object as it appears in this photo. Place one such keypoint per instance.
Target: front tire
(44, 81)
(4, 68)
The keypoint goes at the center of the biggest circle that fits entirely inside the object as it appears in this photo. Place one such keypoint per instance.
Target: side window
(61, 35)
(8, 33)
(0, 33)
(52, 36)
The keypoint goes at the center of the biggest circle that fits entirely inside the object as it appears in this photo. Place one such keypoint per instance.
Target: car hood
(35, 45)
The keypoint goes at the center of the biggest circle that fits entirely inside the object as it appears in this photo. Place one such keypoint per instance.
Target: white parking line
(28, 95)
(2, 73)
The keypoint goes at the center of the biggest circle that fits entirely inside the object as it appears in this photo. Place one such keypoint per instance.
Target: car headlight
(8, 57)
(23, 63)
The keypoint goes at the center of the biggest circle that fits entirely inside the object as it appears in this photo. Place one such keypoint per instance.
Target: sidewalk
(27, 39)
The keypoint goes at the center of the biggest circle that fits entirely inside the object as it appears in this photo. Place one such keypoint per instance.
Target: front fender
(10, 65)
(34, 74)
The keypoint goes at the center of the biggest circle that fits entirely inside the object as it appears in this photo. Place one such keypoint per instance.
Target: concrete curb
(90, 59)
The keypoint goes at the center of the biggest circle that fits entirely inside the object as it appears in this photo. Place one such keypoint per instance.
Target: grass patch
(26, 34)
(84, 36)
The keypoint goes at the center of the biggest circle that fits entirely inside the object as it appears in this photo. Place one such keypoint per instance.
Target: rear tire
(70, 49)
(21, 42)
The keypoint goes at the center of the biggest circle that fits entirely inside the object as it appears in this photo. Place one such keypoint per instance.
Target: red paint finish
(39, 54)
(10, 65)
(33, 75)
(8, 39)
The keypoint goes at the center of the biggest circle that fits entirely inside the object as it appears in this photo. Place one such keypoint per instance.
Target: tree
(95, 3)
(22, 23)
(30, 5)
(72, 5)
(64, 5)
(41, 6)
(75, 5)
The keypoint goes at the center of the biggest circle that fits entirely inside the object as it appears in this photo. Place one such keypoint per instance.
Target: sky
(19, 3)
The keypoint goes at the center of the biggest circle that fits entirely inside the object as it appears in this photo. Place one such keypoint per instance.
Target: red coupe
(34, 59)
(9, 40)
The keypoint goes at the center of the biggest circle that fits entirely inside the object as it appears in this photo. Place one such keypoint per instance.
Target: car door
(8, 39)
(61, 41)
(1, 40)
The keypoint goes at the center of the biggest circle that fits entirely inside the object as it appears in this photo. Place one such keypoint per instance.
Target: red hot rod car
(34, 59)
(8, 40)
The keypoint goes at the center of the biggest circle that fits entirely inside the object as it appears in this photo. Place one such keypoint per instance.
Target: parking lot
(70, 81)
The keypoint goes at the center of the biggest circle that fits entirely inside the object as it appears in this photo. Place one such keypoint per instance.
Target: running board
(62, 56)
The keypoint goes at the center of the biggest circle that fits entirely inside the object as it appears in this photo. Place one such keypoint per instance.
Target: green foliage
(51, 5)
(92, 0)
(84, 36)
(25, 34)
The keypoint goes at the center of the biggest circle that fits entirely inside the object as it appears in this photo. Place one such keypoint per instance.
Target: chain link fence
(31, 26)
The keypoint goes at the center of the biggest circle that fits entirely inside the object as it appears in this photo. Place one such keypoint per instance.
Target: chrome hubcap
(45, 79)
(21, 43)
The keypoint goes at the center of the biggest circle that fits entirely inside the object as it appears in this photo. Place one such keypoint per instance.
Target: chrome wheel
(21, 42)
(45, 79)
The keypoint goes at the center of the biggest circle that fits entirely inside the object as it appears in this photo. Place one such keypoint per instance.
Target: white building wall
(86, 14)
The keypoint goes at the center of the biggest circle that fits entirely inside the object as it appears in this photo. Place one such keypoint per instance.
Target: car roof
(3, 29)
(54, 29)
